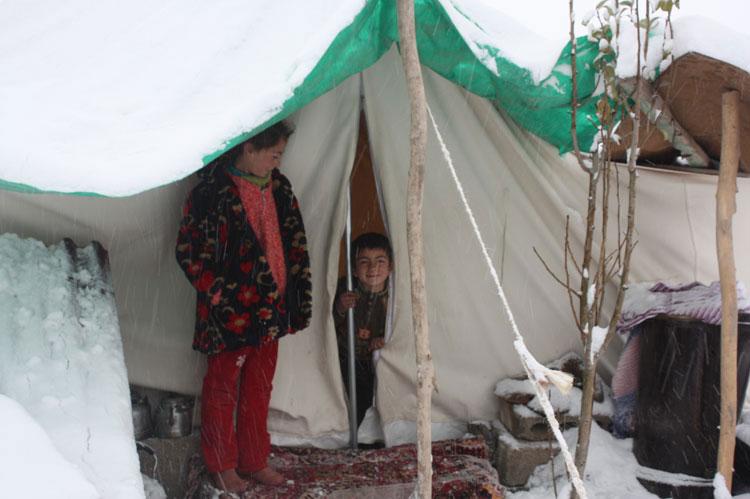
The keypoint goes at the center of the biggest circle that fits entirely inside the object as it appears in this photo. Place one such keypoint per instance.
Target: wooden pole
(725, 209)
(658, 113)
(415, 189)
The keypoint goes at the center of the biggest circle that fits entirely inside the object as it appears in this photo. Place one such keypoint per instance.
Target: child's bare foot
(229, 481)
(268, 476)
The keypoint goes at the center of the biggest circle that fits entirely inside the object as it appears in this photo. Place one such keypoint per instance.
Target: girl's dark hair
(263, 140)
(271, 136)
(371, 240)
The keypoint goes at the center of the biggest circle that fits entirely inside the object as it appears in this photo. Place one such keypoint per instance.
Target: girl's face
(260, 162)
(372, 267)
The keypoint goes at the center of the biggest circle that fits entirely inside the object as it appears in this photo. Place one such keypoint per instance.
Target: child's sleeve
(339, 319)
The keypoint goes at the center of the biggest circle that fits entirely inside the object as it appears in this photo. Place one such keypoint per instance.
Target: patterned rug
(460, 470)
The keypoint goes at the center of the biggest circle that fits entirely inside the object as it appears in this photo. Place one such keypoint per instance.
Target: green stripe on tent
(355, 48)
(28, 189)
(543, 109)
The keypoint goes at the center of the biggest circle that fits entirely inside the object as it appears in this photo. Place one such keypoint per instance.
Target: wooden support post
(725, 209)
(415, 190)
(658, 113)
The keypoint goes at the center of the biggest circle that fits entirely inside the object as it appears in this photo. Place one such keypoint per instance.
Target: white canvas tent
(520, 188)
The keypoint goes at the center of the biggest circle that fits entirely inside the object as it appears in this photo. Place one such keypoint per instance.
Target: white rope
(534, 370)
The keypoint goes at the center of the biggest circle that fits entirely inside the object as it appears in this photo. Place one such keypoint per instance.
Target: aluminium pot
(142, 426)
(174, 417)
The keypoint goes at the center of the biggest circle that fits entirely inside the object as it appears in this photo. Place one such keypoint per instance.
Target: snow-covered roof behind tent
(531, 33)
(116, 98)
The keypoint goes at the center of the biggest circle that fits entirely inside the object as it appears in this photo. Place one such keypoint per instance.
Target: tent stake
(725, 209)
(350, 327)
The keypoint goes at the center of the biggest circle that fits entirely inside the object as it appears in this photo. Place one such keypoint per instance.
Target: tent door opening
(364, 215)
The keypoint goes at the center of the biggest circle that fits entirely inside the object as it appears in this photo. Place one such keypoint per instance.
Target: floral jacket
(219, 252)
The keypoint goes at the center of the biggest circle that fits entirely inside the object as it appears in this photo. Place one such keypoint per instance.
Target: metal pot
(174, 417)
(141, 415)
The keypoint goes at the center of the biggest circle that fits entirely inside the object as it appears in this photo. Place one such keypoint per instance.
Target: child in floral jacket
(243, 247)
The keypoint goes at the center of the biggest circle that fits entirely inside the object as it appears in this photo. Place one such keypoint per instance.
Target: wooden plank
(658, 113)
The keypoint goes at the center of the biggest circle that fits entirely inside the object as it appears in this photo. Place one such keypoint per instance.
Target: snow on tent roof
(117, 98)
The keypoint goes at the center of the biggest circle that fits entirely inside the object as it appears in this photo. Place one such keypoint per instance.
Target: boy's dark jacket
(369, 313)
(219, 251)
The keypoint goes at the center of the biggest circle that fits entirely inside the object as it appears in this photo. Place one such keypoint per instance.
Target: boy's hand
(363, 334)
(377, 344)
(346, 301)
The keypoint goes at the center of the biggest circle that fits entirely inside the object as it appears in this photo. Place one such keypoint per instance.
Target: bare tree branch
(568, 250)
(574, 97)
(551, 273)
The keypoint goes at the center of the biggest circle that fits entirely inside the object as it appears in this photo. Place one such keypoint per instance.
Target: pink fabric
(625, 380)
(642, 302)
(260, 207)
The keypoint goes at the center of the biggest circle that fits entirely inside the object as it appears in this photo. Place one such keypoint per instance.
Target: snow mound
(33, 453)
(61, 359)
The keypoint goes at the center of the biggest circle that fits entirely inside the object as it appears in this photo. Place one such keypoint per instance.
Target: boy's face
(372, 267)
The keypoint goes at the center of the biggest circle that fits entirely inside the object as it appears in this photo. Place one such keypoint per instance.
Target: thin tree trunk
(725, 209)
(425, 371)
(587, 410)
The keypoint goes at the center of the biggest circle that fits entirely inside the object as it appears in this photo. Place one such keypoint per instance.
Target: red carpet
(460, 470)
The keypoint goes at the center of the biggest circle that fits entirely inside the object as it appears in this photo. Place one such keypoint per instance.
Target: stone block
(516, 459)
(526, 424)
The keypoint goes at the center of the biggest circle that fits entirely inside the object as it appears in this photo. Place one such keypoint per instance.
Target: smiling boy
(372, 259)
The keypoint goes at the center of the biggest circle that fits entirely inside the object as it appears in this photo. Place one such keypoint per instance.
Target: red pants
(246, 449)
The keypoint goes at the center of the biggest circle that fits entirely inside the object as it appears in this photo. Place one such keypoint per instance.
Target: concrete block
(526, 424)
(517, 459)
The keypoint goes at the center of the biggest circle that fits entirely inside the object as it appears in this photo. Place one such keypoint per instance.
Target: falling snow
(62, 374)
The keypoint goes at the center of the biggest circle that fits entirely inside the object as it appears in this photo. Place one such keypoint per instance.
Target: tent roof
(118, 98)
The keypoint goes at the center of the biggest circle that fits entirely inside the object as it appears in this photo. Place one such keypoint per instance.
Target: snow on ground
(610, 472)
(611, 469)
(61, 359)
(28, 455)
(153, 489)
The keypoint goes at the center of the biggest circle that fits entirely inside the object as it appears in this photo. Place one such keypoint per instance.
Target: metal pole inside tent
(350, 327)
